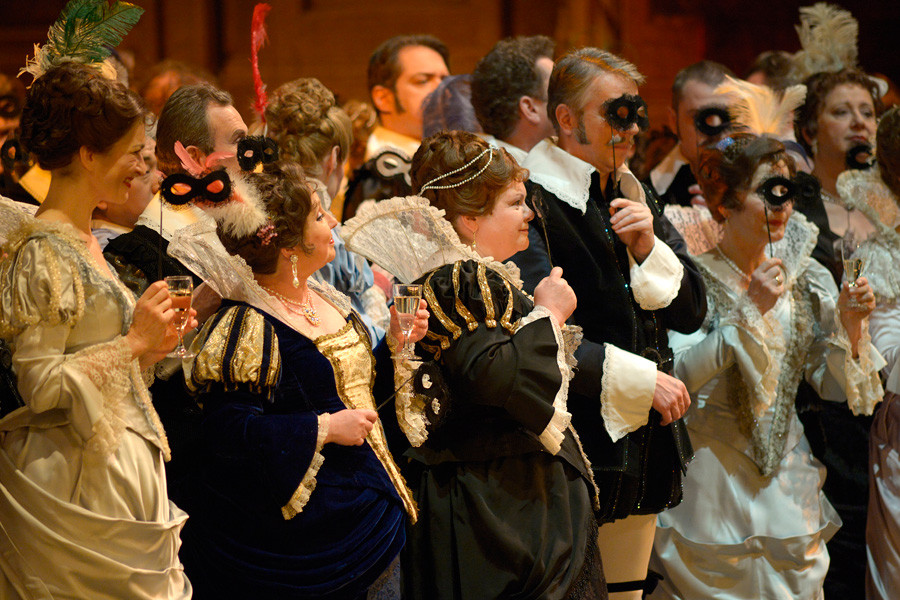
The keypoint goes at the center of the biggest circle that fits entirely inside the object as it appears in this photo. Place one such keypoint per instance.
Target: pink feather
(258, 38)
(190, 165)
(216, 157)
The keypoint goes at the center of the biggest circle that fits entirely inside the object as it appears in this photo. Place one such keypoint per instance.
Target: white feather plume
(828, 37)
(244, 213)
(760, 110)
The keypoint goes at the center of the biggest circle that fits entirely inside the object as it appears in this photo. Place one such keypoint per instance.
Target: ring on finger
(778, 279)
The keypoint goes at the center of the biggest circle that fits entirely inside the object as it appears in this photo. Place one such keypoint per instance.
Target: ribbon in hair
(180, 188)
(255, 150)
(626, 110)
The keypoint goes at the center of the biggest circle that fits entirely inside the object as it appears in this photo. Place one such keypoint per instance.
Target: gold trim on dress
(461, 309)
(454, 329)
(490, 317)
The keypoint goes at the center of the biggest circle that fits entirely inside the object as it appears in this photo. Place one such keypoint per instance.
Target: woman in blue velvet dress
(297, 496)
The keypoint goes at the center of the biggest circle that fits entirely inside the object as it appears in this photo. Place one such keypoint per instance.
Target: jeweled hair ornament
(429, 185)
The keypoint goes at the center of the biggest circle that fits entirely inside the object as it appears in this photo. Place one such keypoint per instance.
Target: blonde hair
(306, 123)
(574, 73)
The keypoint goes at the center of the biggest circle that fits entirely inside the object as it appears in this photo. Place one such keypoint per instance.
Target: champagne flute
(406, 303)
(853, 261)
(181, 289)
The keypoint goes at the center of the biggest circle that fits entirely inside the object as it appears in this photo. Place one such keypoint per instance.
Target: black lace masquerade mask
(181, 188)
(254, 150)
(712, 121)
(626, 110)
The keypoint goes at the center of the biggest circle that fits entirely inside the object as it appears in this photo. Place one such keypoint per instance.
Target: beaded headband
(428, 186)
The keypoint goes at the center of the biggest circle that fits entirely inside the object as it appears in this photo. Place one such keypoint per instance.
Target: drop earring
(296, 281)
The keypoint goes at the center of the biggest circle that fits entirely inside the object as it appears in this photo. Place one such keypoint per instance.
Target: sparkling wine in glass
(406, 303)
(854, 262)
(181, 289)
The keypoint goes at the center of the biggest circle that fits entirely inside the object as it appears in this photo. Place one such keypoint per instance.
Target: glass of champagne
(406, 303)
(853, 261)
(181, 289)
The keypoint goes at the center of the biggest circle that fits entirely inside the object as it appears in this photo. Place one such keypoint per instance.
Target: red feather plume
(258, 38)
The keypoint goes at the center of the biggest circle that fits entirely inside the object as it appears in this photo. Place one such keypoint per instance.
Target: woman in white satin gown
(754, 522)
(84, 510)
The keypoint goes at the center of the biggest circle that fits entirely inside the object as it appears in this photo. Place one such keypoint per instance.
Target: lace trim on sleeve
(111, 369)
(863, 387)
(308, 484)
(656, 281)
(626, 397)
(553, 435)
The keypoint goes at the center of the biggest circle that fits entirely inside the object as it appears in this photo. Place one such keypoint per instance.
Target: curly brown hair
(73, 106)
(888, 143)
(818, 86)
(306, 123)
(725, 175)
(449, 150)
(288, 202)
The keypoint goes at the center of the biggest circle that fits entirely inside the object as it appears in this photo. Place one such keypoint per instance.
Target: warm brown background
(332, 39)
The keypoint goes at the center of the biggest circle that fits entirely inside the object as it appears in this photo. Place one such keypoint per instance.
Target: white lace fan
(405, 236)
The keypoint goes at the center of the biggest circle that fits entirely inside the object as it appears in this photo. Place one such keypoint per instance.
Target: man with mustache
(634, 280)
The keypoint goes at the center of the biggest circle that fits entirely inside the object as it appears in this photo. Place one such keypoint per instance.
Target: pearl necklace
(306, 308)
(733, 266)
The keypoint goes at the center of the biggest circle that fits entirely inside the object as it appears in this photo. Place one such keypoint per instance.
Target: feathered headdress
(84, 32)
(258, 38)
(828, 36)
(760, 110)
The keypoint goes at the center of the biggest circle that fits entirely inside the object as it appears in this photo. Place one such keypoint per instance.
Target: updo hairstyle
(71, 106)
(818, 86)
(288, 202)
(447, 151)
(726, 175)
(305, 122)
(887, 142)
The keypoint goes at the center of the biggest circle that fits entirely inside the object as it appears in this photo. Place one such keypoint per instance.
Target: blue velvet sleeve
(275, 449)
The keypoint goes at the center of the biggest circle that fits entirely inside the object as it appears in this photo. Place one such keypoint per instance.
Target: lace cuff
(629, 382)
(553, 435)
(755, 342)
(656, 281)
(863, 385)
(108, 366)
(301, 495)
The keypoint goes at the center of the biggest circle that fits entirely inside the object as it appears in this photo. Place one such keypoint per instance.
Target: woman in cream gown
(84, 511)
(754, 522)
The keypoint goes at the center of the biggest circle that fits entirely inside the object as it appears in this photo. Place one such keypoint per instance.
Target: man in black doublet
(634, 280)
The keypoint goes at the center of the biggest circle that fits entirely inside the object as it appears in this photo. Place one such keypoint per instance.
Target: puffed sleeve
(236, 372)
(42, 300)
(830, 367)
(523, 367)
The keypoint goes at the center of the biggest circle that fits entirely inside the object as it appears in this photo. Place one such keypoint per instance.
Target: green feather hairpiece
(84, 32)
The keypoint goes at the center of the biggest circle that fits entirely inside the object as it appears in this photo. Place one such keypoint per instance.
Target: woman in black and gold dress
(505, 495)
(298, 496)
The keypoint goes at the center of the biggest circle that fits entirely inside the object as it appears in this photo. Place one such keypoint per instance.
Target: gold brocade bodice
(350, 355)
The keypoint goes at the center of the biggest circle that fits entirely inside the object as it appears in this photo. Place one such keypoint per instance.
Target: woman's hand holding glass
(556, 295)
(409, 330)
(152, 333)
(855, 304)
(766, 284)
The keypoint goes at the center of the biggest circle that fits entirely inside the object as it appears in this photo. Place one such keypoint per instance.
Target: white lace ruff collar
(569, 178)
